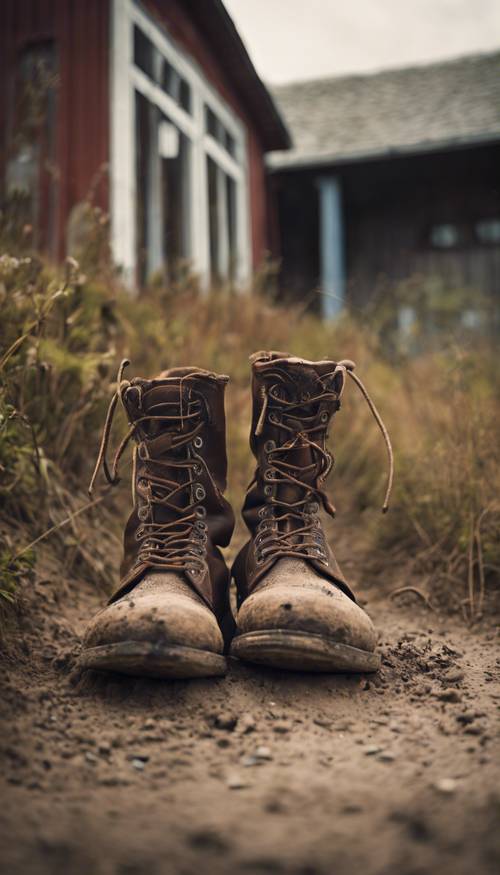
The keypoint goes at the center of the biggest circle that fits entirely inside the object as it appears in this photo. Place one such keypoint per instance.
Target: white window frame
(126, 78)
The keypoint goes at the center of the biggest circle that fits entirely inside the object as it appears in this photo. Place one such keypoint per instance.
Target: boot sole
(302, 651)
(142, 659)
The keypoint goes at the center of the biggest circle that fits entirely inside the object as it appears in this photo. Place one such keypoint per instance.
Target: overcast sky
(302, 39)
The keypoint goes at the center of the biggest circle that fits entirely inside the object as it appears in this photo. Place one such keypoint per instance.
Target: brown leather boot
(170, 614)
(296, 610)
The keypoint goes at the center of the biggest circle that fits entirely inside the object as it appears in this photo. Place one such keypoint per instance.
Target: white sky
(302, 39)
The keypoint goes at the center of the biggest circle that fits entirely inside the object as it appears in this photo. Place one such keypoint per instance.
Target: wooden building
(391, 175)
(153, 109)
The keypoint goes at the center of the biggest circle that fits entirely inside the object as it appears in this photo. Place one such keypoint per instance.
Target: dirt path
(261, 772)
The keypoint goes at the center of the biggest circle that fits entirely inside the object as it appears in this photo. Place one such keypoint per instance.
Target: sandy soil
(260, 772)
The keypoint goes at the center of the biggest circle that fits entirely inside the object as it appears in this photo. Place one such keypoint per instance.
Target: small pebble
(263, 753)
(449, 695)
(371, 749)
(226, 721)
(446, 786)
(236, 783)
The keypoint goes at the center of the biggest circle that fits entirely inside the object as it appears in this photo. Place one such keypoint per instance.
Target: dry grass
(61, 338)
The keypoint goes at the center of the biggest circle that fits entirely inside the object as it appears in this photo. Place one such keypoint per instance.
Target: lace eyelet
(141, 451)
(198, 469)
(139, 533)
(269, 474)
(198, 442)
(142, 483)
(268, 490)
(324, 416)
(199, 492)
(274, 418)
(142, 513)
(269, 446)
(200, 511)
(312, 507)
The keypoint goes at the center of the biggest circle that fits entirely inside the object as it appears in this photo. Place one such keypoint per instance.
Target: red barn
(155, 111)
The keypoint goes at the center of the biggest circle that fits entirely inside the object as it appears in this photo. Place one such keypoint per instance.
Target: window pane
(144, 52)
(163, 168)
(176, 189)
(488, 231)
(444, 236)
(213, 219)
(30, 172)
(231, 222)
(185, 96)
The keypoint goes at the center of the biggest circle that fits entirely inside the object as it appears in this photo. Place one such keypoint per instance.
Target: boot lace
(292, 528)
(180, 542)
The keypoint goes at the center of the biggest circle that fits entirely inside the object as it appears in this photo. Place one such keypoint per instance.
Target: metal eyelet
(199, 492)
(139, 533)
(312, 507)
(269, 474)
(200, 511)
(268, 490)
(274, 418)
(198, 442)
(197, 468)
(201, 526)
(269, 446)
(141, 451)
(259, 559)
(142, 483)
(324, 416)
(305, 396)
(142, 513)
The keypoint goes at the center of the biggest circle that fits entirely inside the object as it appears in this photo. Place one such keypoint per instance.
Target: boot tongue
(172, 402)
(299, 385)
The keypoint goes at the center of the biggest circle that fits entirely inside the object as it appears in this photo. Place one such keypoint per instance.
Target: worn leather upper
(180, 517)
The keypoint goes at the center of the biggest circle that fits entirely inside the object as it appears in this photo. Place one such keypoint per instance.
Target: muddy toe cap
(162, 608)
(294, 596)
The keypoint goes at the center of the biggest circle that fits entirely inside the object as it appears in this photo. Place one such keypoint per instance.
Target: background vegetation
(64, 331)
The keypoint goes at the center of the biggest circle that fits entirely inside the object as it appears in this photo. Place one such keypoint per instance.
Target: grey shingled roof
(395, 111)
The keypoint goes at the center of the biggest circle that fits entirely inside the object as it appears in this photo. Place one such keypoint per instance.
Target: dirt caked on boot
(296, 610)
(170, 615)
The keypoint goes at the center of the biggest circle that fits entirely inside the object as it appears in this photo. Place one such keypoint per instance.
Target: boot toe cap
(306, 602)
(162, 609)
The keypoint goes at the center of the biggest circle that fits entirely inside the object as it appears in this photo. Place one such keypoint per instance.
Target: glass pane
(144, 52)
(213, 219)
(185, 96)
(231, 222)
(176, 189)
(488, 231)
(163, 168)
(444, 236)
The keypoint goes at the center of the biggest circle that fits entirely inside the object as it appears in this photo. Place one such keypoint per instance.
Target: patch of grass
(63, 333)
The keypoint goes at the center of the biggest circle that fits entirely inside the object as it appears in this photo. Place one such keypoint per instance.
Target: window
(445, 236)
(179, 181)
(488, 231)
(31, 178)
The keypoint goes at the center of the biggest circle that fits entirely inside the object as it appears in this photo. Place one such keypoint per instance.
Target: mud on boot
(295, 608)
(170, 614)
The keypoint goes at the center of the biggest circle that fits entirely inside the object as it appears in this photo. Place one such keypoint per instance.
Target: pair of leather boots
(171, 615)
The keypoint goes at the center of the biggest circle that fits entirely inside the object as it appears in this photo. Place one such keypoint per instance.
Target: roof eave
(308, 161)
(216, 23)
